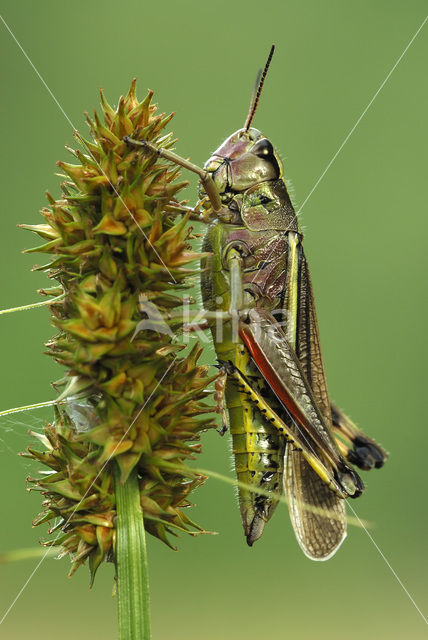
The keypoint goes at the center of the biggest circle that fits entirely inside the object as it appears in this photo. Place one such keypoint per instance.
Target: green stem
(131, 561)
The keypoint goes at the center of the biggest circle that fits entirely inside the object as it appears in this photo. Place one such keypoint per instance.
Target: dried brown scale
(117, 232)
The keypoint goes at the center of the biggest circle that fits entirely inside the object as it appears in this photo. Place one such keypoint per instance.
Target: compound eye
(263, 149)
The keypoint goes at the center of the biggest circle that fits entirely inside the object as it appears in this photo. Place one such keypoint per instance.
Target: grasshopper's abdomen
(258, 451)
(257, 447)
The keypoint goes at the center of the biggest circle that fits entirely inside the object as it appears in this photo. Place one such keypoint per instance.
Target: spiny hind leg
(355, 445)
(333, 477)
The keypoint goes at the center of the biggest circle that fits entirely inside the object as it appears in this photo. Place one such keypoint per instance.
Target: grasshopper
(285, 430)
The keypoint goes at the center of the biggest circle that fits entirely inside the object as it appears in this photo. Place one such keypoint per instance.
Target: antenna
(258, 86)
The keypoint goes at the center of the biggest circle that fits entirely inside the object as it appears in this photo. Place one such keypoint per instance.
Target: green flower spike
(131, 405)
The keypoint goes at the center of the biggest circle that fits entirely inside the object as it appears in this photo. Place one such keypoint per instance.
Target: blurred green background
(365, 228)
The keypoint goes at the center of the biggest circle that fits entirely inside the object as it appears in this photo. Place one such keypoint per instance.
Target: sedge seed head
(115, 236)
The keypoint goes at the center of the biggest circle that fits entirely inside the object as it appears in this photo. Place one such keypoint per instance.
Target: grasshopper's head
(245, 159)
(248, 175)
